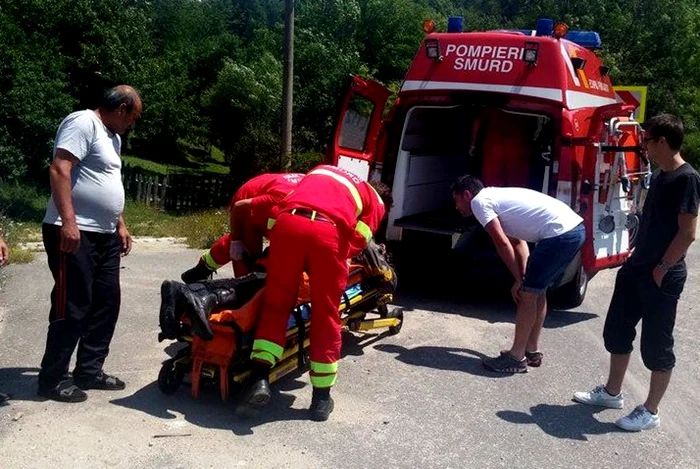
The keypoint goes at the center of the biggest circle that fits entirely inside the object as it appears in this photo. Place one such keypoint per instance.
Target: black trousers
(637, 297)
(85, 304)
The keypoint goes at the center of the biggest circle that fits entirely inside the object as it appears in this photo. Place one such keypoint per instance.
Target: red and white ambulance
(532, 108)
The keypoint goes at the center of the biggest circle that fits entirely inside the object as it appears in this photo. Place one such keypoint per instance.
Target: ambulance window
(353, 134)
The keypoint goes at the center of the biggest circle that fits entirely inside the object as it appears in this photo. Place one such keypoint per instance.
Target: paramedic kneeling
(514, 216)
(328, 218)
(253, 204)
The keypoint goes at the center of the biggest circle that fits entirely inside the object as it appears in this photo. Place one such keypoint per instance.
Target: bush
(304, 162)
(691, 149)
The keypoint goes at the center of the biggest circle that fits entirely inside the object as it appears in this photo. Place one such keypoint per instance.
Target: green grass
(188, 159)
(207, 167)
(200, 229)
(21, 211)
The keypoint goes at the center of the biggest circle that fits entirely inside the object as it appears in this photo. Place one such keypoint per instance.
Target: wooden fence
(177, 192)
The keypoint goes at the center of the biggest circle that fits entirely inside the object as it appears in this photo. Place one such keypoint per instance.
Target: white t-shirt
(524, 213)
(96, 181)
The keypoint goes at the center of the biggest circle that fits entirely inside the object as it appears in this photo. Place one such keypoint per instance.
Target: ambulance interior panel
(435, 150)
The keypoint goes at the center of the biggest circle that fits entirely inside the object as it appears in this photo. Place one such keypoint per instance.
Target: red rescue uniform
(328, 218)
(265, 192)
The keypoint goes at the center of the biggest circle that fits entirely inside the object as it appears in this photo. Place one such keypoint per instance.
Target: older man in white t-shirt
(513, 217)
(85, 236)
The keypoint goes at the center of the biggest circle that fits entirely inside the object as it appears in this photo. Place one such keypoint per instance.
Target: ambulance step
(441, 221)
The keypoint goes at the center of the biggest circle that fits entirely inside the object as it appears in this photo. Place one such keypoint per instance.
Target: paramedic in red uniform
(251, 207)
(327, 219)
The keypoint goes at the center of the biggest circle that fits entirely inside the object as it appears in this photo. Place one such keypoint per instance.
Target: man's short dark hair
(467, 183)
(115, 97)
(384, 192)
(668, 126)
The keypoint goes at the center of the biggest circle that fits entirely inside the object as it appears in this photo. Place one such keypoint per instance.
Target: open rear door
(622, 177)
(358, 126)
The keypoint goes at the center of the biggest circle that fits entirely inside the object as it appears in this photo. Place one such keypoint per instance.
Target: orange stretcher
(225, 360)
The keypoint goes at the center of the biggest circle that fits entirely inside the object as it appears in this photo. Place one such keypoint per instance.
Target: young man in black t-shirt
(650, 283)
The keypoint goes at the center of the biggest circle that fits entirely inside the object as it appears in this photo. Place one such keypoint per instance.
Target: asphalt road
(419, 399)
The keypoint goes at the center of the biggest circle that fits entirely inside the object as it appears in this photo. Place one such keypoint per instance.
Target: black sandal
(102, 381)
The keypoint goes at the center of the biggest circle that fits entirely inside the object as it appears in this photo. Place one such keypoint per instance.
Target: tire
(170, 377)
(572, 294)
(398, 314)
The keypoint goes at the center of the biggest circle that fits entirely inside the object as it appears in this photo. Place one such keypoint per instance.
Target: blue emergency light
(455, 24)
(587, 39)
(546, 27)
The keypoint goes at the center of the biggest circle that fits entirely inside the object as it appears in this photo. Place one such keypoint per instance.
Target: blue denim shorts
(550, 258)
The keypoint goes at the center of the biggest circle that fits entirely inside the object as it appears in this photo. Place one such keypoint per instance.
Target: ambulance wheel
(398, 314)
(571, 295)
(170, 377)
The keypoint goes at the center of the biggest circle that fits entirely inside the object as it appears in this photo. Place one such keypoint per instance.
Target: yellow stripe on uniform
(324, 368)
(266, 351)
(353, 190)
(364, 229)
(209, 261)
(323, 381)
(379, 197)
(270, 223)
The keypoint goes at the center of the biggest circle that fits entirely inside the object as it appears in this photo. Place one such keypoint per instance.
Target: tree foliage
(210, 71)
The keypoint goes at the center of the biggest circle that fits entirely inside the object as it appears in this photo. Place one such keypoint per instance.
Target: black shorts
(636, 297)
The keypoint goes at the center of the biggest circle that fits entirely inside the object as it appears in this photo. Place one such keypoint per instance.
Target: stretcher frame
(354, 317)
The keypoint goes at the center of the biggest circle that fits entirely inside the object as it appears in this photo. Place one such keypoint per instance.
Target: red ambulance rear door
(358, 125)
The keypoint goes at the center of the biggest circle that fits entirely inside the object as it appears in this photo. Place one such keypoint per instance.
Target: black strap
(346, 299)
(301, 333)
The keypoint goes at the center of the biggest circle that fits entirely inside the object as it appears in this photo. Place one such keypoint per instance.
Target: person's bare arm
(4, 252)
(60, 179)
(507, 254)
(124, 236)
(522, 252)
(679, 245)
(236, 220)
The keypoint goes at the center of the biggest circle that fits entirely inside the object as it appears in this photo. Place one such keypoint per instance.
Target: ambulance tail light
(531, 51)
(432, 49)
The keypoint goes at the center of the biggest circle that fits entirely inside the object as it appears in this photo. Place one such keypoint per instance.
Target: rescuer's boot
(258, 392)
(201, 298)
(197, 273)
(321, 404)
(171, 308)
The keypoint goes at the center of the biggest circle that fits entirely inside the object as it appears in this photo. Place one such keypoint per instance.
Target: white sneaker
(639, 419)
(599, 396)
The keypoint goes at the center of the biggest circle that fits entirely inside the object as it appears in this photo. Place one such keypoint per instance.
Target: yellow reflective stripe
(324, 368)
(262, 345)
(364, 230)
(264, 356)
(209, 261)
(270, 223)
(379, 197)
(324, 381)
(343, 180)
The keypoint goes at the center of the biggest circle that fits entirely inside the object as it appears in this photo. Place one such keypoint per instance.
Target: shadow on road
(496, 307)
(573, 421)
(441, 358)
(20, 384)
(209, 411)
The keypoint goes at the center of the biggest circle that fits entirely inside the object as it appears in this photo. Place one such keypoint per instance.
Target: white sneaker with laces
(599, 396)
(639, 419)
